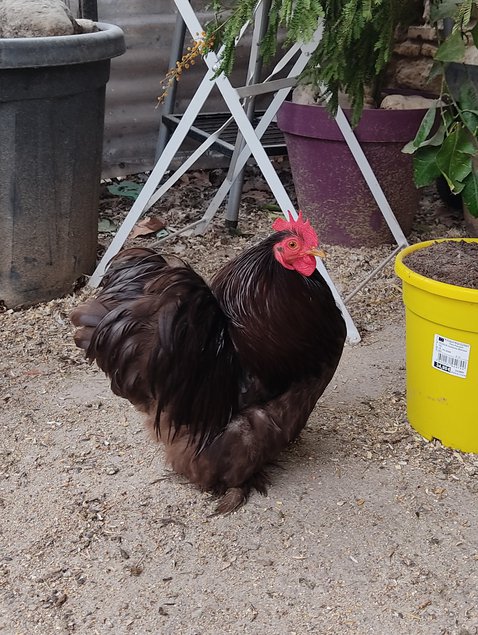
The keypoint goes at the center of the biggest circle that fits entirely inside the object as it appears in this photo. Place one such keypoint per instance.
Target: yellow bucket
(441, 356)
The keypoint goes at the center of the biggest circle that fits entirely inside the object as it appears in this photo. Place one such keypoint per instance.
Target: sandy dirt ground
(367, 528)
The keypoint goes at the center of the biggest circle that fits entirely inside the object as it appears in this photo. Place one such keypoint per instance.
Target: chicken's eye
(292, 244)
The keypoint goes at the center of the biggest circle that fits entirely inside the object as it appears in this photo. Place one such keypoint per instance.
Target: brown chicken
(229, 373)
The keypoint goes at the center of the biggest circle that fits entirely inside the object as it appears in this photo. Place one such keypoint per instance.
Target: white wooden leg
(155, 177)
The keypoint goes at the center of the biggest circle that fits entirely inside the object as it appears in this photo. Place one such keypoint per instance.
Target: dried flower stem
(199, 47)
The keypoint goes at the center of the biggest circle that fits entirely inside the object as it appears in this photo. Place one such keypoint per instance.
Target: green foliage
(451, 150)
(463, 14)
(352, 56)
(452, 49)
(421, 138)
(447, 144)
(298, 17)
(440, 9)
(356, 47)
(425, 168)
(225, 32)
(353, 53)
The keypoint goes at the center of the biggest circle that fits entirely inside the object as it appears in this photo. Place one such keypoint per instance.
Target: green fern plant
(355, 48)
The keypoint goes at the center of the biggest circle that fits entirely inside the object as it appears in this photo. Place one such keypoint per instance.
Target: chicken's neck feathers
(285, 326)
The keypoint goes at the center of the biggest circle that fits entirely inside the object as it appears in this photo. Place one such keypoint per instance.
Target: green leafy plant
(446, 142)
(353, 53)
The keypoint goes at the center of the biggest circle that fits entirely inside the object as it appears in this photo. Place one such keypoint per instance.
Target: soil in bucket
(452, 262)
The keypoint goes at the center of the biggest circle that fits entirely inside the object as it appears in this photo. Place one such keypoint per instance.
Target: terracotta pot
(329, 185)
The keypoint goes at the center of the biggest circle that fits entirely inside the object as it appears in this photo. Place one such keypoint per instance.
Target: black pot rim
(62, 50)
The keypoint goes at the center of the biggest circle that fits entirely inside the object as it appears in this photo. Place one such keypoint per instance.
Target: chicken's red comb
(300, 226)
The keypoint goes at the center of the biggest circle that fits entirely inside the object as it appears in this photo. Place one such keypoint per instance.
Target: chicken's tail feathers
(86, 318)
(157, 330)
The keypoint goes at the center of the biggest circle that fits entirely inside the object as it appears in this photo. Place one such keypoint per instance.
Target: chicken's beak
(316, 251)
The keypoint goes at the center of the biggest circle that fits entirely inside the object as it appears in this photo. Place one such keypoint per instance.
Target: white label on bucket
(450, 356)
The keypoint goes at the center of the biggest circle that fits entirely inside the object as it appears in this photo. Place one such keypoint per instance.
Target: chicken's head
(299, 248)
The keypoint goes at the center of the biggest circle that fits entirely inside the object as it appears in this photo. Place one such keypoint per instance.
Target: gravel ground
(367, 528)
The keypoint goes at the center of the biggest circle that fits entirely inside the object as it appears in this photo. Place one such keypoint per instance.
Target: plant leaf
(468, 100)
(470, 193)
(470, 119)
(126, 188)
(443, 9)
(468, 95)
(437, 138)
(106, 226)
(425, 168)
(147, 226)
(452, 49)
(454, 157)
(410, 147)
(435, 71)
(423, 131)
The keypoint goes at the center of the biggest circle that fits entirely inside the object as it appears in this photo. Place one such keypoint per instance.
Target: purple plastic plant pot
(330, 188)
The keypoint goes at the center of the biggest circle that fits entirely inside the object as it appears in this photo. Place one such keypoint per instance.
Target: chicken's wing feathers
(163, 340)
(195, 360)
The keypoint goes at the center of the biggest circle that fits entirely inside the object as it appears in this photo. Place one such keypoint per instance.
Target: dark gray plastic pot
(457, 74)
(329, 186)
(52, 95)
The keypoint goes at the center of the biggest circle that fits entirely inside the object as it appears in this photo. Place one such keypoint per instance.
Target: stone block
(35, 18)
(423, 32)
(408, 49)
(415, 74)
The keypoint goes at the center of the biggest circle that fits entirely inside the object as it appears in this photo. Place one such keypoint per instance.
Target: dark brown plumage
(227, 374)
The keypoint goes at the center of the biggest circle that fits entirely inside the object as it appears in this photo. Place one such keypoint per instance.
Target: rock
(308, 95)
(423, 32)
(471, 55)
(429, 49)
(408, 48)
(406, 102)
(344, 100)
(35, 18)
(86, 26)
(305, 94)
(369, 100)
(415, 74)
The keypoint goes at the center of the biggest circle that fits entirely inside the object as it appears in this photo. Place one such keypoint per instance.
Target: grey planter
(52, 94)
